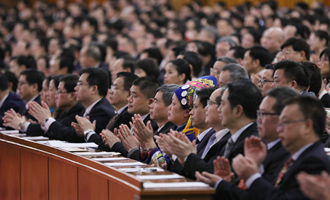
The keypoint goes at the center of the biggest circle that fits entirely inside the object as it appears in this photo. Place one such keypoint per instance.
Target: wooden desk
(29, 170)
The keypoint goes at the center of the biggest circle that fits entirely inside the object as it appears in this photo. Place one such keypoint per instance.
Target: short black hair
(294, 71)
(194, 60)
(12, 79)
(149, 66)
(129, 78)
(92, 22)
(112, 43)
(281, 94)
(182, 67)
(66, 62)
(56, 80)
(155, 53)
(98, 77)
(322, 35)
(4, 82)
(205, 49)
(315, 77)
(46, 58)
(129, 63)
(297, 44)
(312, 109)
(33, 76)
(148, 86)
(260, 53)
(326, 53)
(70, 82)
(246, 94)
(204, 95)
(238, 52)
(27, 61)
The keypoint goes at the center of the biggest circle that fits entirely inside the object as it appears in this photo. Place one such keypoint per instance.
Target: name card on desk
(175, 185)
(36, 138)
(147, 170)
(8, 132)
(157, 177)
(125, 164)
(62, 144)
(101, 153)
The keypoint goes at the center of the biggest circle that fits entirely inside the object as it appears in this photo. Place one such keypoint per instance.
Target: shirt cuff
(25, 127)
(216, 185)
(49, 122)
(252, 178)
(89, 135)
(261, 169)
(322, 94)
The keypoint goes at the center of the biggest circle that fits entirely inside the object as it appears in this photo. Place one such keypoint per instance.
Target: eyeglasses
(81, 84)
(323, 60)
(209, 102)
(263, 81)
(215, 71)
(281, 124)
(261, 114)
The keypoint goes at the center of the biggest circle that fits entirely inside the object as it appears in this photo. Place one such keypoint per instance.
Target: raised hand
(127, 138)
(161, 143)
(255, 149)
(244, 167)
(222, 168)
(207, 178)
(85, 123)
(12, 119)
(144, 133)
(315, 187)
(41, 113)
(109, 137)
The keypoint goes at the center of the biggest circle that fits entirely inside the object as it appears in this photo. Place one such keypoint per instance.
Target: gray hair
(227, 59)
(229, 40)
(168, 91)
(94, 52)
(211, 31)
(236, 72)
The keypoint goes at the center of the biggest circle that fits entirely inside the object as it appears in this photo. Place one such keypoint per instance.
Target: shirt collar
(235, 136)
(219, 135)
(273, 143)
(202, 134)
(32, 99)
(296, 155)
(3, 99)
(88, 110)
(121, 109)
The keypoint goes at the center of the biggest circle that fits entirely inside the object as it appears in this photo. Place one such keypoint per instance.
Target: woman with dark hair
(146, 67)
(177, 72)
(324, 63)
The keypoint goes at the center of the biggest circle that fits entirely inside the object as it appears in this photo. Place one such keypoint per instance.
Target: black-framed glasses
(263, 81)
(285, 123)
(261, 114)
(209, 102)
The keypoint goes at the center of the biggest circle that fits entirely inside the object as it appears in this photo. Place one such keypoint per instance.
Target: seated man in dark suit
(301, 124)
(268, 117)
(91, 90)
(29, 86)
(9, 100)
(212, 143)
(65, 101)
(141, 97)
(118, 96)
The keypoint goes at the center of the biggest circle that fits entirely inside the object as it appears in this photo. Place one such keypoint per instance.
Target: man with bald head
(272, 40)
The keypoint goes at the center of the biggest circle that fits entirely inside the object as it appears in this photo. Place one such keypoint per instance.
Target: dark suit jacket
(274, 160)
(102, 112)
(13, 101)
(326, 100)
(65, 119)
(166, 128)
(123, 118)
(26, 112)
(119, 147)
(312, 161)
(195, 163)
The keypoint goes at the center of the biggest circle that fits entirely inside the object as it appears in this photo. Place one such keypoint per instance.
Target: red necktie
(282, 172)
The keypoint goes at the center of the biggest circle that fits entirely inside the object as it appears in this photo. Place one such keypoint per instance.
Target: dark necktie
(112, 121)
(228, 148)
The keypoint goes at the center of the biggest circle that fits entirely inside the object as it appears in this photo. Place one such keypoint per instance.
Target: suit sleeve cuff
(216, 185)
(261, 169)
(89, 135)
(131, 152)
(25, 127)
(252, 178)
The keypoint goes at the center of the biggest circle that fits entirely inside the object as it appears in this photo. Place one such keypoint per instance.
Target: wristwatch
(88, 131)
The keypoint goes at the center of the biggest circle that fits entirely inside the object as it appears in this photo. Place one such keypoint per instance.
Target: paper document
(101, 153)
(110, 159)
(125, 164)
(175, 185)
(327, 150)
(66, 144)
(9, 131)
(148, 170)
(36, 138)
(155, 177)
